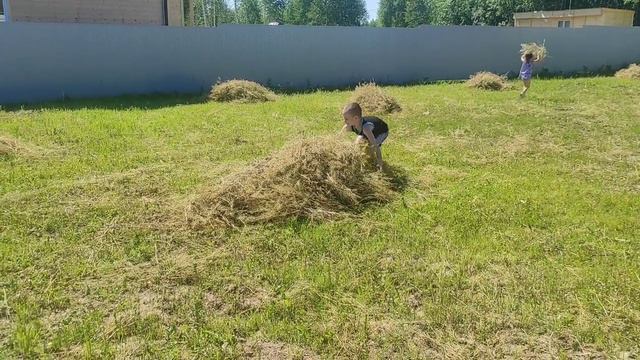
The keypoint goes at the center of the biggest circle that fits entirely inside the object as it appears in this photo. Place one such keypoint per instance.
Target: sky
(372, 8)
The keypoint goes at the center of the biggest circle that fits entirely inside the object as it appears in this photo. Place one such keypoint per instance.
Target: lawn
(518, 234)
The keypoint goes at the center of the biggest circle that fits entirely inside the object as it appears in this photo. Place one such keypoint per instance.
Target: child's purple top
(526, 70)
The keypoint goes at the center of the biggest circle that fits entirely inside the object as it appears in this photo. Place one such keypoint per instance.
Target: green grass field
(518, 234)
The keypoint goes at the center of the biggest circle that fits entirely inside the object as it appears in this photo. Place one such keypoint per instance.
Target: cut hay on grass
(488, 81)
(374, 100)
(10, 146)
(315, 179)
(632, 72)
(241, 91)
(538, 51)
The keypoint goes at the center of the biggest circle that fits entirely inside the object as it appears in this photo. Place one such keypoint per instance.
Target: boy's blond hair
(352, 109)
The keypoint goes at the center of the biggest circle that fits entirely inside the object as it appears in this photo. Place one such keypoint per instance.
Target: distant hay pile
(488, 81)
(632, 72)
(10, 146)
(313, 179)
(374, 100)
(538, 51)
(241, 91)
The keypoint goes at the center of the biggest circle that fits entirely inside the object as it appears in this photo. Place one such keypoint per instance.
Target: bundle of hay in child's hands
(488, 81)
(241, 91)
(374, 100)
(632, 72)
(539, 52)
(313, 179)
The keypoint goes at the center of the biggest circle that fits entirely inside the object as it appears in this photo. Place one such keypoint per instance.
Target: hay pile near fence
(315, 179)
(374, 100)
(488, 81)
(632, 72)
(538, 51)
(241, 91)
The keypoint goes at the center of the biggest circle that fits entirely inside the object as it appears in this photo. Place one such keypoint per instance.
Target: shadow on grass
(143, 102)
(398, 177)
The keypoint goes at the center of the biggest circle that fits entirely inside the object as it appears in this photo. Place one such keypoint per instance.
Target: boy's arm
(375, 149)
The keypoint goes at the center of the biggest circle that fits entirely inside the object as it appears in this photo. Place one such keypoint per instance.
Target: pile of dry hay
(632, 72)
(374, 100)
(538, 51)
(314, 179)
(10, 146)
(488, 81)
(241, 91)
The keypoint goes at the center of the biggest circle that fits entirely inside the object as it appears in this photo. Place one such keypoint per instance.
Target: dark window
(564, 24)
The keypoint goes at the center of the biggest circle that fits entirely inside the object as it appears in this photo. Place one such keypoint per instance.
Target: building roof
(565, 13)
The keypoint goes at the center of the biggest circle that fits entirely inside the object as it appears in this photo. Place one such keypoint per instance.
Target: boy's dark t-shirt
(379, 126)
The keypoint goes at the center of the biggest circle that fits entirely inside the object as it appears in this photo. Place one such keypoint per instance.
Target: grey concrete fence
(40, 62)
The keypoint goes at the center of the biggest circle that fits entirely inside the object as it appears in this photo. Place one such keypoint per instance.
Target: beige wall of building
(141, 12)
(176, 13)
(575, 18)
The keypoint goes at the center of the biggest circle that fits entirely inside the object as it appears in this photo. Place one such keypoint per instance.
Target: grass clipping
(241, 91)
(632, 72)
(374, 100)
(314, 179)
(488, 81)
(538, 51)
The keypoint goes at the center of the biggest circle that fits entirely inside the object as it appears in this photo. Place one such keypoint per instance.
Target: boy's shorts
(381, 138)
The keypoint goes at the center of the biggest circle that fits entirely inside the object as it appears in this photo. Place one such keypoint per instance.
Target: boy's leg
(379, 140)
(527, 84)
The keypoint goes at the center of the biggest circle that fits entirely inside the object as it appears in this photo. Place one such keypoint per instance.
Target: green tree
(337, 12)
(250, 12)
(392, 13)
(273, 10)
(211, 13)
(416, 13)
(297, 12)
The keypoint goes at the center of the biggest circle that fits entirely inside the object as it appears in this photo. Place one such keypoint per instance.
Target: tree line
(391, 13)
(296, 12)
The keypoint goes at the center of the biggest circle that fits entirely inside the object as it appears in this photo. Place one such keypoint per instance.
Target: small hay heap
(488, 81)
(10, 146)
(374, 100)
(314, 179)
(538, 51)
(632, 72)
(241, 91)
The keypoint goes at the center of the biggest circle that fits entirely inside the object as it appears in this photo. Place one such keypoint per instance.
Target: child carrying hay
(241, 91)
(531, 53)
(312, 179)
(369, 128)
